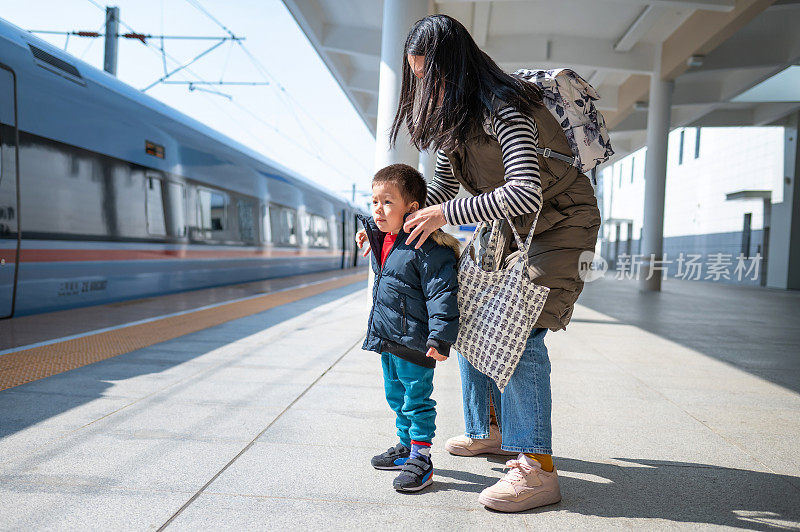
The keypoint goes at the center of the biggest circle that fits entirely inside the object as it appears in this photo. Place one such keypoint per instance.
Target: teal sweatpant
(408, 391)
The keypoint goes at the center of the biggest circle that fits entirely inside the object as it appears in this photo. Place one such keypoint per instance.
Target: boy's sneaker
(393, 458)
(416, 475)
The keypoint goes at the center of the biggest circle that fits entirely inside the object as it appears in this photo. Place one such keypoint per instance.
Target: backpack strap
(571, 160)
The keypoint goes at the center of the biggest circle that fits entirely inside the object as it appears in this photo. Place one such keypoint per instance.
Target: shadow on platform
(681, 492)
(34, 402)
(754, 329)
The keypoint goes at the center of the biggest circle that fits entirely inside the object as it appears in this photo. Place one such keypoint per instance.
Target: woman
(485, 126)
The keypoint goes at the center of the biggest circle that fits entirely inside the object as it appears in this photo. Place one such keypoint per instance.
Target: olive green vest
(568, 222)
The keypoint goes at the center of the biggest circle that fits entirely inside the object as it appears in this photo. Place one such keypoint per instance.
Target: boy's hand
(434, 354)
(361, 239)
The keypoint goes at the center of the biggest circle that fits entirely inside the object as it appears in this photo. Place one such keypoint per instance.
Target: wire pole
(112, 29)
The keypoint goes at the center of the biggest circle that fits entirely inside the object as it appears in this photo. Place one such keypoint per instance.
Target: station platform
(676, 410)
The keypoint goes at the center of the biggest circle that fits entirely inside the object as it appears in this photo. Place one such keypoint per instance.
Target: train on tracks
(107, 194)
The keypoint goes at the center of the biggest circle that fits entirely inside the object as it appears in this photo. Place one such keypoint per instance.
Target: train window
(154, 207)
(307, 231)
(247, 221)
(322, 232)
(265, 224)
(318, 233)
(211, 212)
(274, 213)
(176, 208)
(283, 225)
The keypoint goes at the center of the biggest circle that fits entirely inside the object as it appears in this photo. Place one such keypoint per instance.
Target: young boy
(413, 321)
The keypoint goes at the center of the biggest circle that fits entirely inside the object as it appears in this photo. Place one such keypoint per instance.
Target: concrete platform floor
(269, 422)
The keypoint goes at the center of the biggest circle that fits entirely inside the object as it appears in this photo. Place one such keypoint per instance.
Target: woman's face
(417, 63)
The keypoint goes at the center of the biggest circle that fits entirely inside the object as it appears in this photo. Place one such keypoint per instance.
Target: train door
(343, 240)
(9, 178)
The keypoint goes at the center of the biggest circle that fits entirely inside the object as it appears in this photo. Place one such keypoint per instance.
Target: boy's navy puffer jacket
(415, 296)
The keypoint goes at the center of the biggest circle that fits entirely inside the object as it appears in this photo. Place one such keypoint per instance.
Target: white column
(655, 174)
(398, 17)
(783, 255)
(427, 164)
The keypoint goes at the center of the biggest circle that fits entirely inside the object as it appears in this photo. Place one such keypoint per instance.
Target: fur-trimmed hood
(447, 240)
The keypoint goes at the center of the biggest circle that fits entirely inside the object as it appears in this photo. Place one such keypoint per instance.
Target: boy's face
(389, 207)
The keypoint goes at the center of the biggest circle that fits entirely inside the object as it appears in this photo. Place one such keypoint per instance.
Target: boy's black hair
(410, 182)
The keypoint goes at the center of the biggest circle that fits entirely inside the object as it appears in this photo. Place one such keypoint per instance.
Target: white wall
(730, 159)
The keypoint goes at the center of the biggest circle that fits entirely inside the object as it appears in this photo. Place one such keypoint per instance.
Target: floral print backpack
(571, 99)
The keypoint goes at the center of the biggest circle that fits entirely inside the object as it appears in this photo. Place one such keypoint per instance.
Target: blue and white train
(107, 194)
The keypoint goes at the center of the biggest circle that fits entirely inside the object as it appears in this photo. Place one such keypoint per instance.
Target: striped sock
(421, 450)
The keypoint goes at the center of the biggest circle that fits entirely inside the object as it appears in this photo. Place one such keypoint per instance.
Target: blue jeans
(522, 410)
(408, 388)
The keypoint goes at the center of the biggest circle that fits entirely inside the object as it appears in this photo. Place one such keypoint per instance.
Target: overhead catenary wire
(281, 90)
(280, 133)
(85, 51)
(259, 66)
(140, 36)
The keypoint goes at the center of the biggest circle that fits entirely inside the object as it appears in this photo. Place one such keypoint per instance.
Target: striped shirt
(518, 139)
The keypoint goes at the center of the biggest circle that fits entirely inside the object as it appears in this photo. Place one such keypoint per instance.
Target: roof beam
(646, 19)
(597, 78)
(706, 5)
(704, 31)
(309, 17)
(576, 52)
(608, 97)
(710, 5)
(771, 39)
(352, 40)
(698, 35)
(363, 81)
(368, 103)
(767, 113)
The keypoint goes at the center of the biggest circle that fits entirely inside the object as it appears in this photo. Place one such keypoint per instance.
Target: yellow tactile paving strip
(40, 362)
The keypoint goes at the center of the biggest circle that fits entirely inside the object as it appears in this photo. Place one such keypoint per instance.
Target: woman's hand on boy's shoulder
(420, 224)
(434, 354)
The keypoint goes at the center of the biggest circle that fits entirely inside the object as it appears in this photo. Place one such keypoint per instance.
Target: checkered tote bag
(498, 310)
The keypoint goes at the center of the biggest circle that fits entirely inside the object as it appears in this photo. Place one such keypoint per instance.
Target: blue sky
(310, 127)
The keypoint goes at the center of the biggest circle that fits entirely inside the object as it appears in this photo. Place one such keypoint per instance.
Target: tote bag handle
(524, 248)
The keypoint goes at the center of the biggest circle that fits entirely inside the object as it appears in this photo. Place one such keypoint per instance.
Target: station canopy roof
(731, 59)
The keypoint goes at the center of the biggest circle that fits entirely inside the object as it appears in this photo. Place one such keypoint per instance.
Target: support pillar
(655, 172)
(112, 29)
(783, 255)
(398, 17)
(427, 164)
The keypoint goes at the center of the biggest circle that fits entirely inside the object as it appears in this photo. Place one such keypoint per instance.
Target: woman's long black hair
(460, 87)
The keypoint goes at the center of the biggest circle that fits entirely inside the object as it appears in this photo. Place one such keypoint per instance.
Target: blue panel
(8, 194)
(46, 287)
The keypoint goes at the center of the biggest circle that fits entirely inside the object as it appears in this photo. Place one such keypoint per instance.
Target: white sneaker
(466, 446)
(525, 486)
